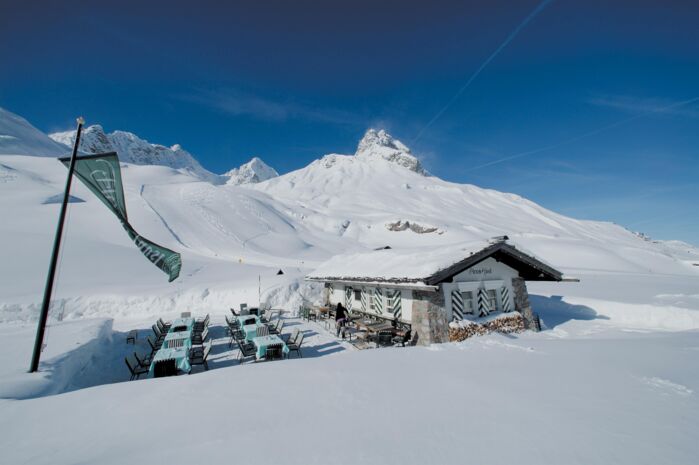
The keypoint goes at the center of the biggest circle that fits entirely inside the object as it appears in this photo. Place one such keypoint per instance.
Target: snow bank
(287, 295)
(71, 347)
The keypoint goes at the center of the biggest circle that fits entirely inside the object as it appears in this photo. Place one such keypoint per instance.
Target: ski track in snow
(167, 226)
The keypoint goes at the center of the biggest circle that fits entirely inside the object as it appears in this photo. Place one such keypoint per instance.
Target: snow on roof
(408, 265)
(420, 265)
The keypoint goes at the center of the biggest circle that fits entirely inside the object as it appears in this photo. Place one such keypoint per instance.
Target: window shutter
(505, 298)
(483, 304)
(457, 305)
(394, 303)
(378, 300)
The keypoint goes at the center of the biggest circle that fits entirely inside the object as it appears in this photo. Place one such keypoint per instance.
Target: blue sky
(578, 112)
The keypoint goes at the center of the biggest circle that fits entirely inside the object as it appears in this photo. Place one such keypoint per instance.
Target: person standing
(340, 317)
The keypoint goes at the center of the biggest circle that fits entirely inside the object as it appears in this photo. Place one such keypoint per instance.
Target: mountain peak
(379, 143)
(251, 172)
(374, 139)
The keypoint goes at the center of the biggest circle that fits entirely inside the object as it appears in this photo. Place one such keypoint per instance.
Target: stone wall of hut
(429, 318)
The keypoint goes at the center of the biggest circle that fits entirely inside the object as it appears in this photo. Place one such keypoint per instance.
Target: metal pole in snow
(43, 316)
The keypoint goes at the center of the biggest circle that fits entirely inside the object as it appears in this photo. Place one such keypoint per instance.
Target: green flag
(102, 175)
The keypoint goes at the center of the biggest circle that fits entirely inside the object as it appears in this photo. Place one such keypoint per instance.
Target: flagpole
(43, 316)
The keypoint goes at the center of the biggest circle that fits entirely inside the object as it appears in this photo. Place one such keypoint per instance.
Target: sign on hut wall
(488, 269)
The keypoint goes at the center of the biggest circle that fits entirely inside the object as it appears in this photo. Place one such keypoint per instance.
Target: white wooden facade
(380, 299)
(385, 301)
(489, 275)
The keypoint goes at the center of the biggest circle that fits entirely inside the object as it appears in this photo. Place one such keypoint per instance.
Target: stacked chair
(262, 331)
(273, 352)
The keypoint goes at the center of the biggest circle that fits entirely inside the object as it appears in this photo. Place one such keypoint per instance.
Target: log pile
(512, 323)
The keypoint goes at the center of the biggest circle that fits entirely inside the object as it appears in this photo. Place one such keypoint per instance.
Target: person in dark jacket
(340, 317)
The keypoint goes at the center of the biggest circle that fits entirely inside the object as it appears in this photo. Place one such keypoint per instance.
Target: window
(468, 301)
(357, 295)
(372, 299)
(492, 300)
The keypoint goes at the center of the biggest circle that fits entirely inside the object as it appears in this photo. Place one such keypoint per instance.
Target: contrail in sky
(492, 56)
(588, 134)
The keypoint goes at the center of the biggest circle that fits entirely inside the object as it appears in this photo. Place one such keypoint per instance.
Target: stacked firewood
(513, 323)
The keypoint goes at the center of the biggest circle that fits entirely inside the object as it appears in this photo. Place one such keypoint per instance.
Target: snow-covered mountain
(251, 172)
(19, 137)
(228, 233)
(368, 198)
(132, 149)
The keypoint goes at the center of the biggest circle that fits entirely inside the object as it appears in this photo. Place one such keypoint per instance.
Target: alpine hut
(428, 288)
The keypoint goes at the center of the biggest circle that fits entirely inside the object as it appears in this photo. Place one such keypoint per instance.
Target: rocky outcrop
(382, 144)
(414, 227)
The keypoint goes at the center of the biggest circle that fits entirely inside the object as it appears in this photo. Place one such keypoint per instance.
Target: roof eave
(547, 273)
(388, 283)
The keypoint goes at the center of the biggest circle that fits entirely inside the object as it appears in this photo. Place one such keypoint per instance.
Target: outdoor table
(380, 326)
(175, 339)
(261, 343)
(242, 319)
(251, 331)
(180, 354)
(186, 323)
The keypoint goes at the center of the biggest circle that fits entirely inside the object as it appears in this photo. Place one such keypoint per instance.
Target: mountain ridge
(132, 149)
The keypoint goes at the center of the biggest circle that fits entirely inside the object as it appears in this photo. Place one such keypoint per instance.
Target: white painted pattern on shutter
(457, 305)
(378, 300)
(483, 304)
(505, 298)
(394, 303)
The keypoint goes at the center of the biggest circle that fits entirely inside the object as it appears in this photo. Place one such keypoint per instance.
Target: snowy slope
(132, 149)
(251, 172)
(19, 137)
(226, 235)
(230, 234)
